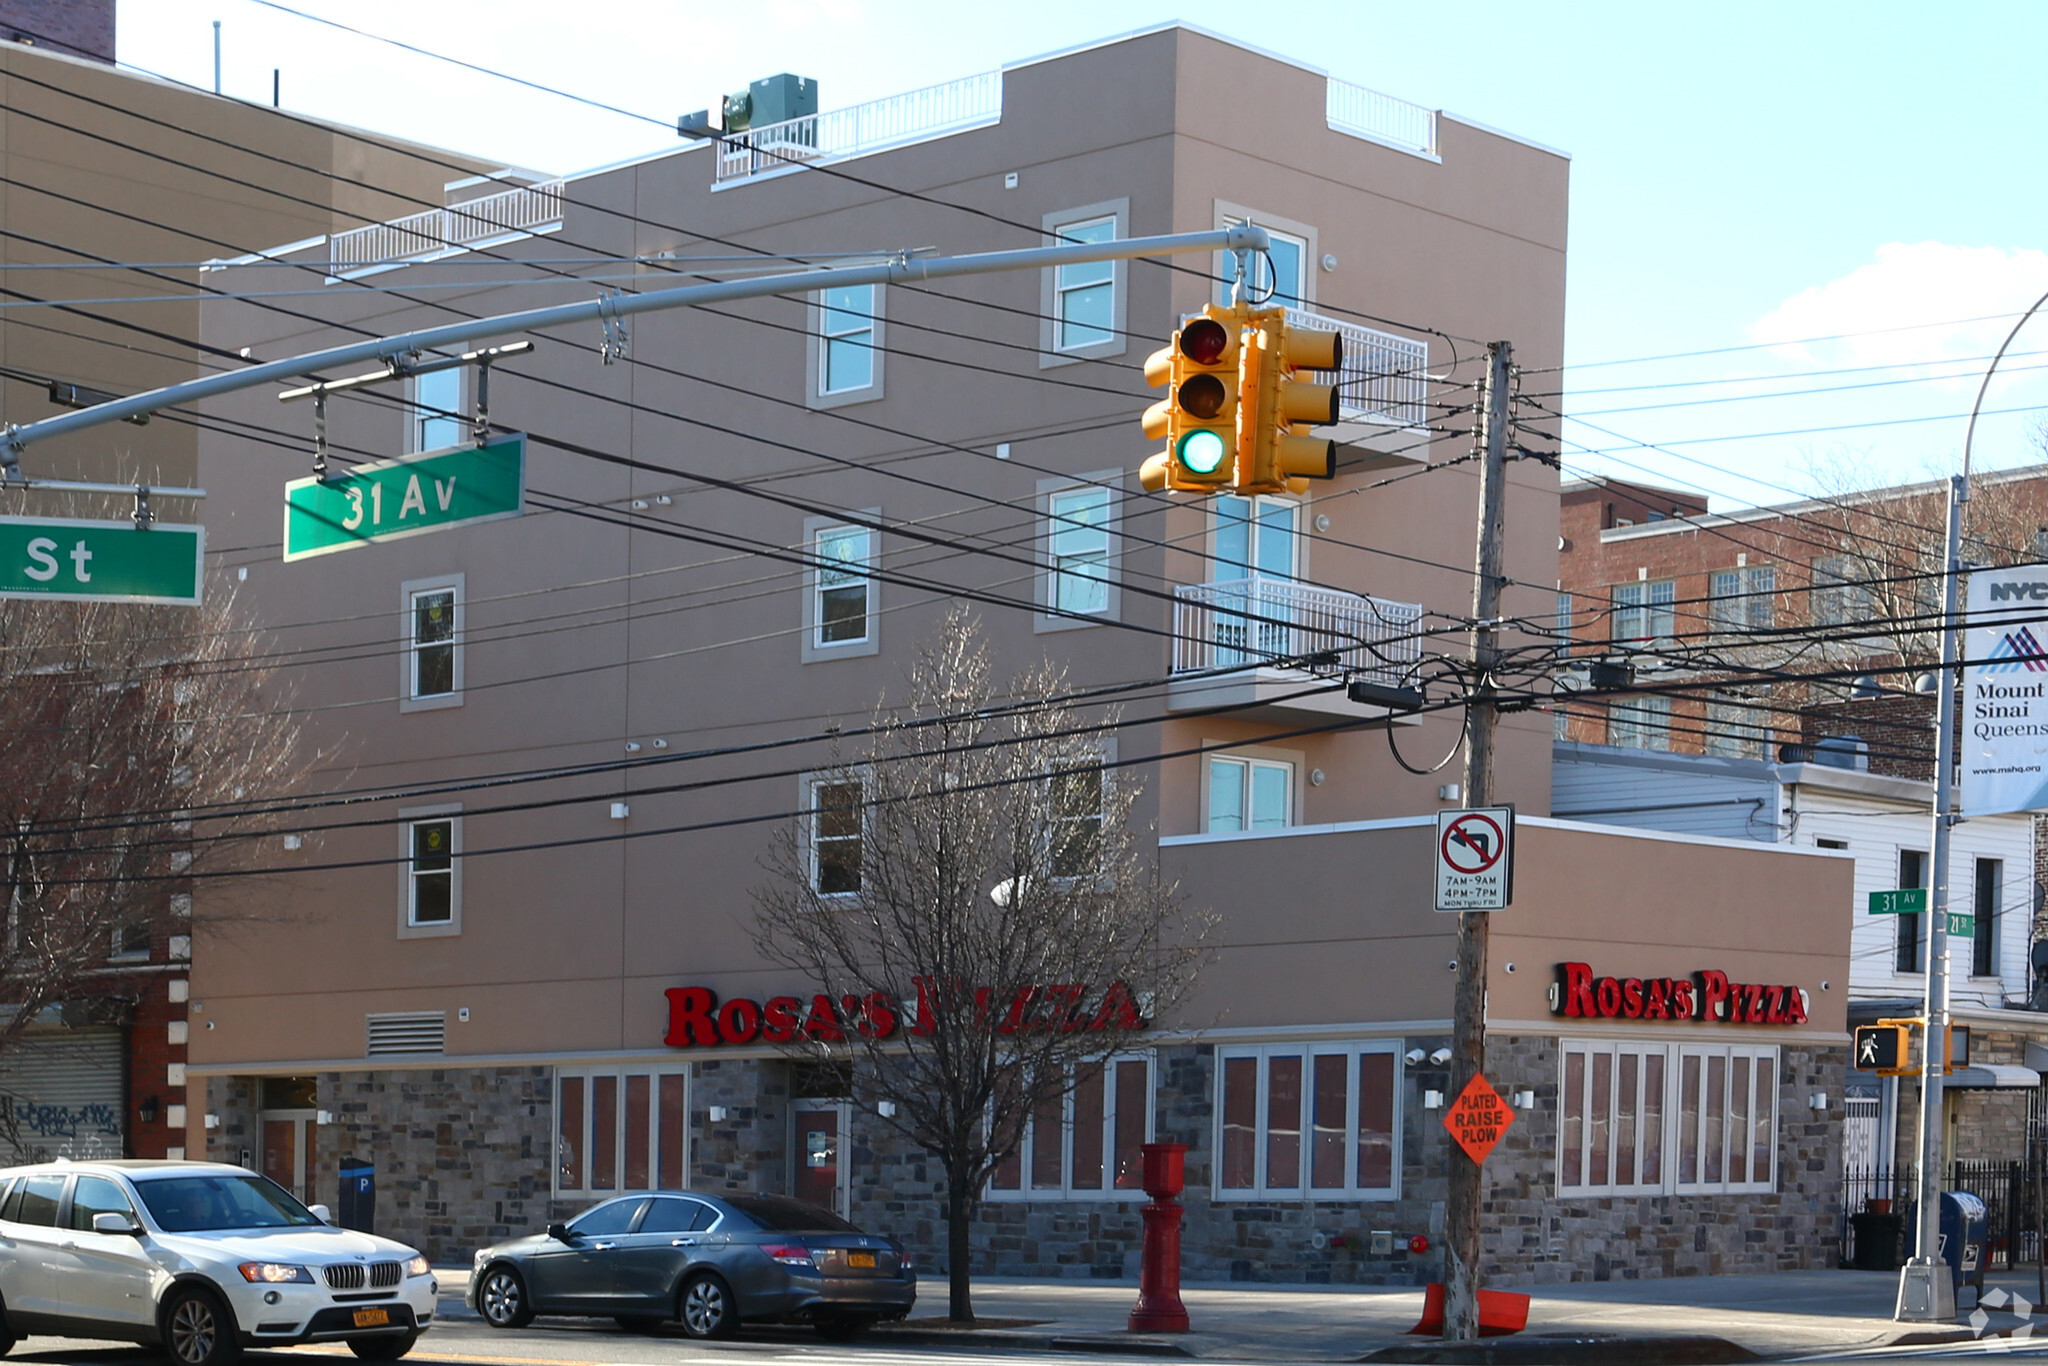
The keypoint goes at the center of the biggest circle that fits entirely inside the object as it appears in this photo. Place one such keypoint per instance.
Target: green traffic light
(1201, 451)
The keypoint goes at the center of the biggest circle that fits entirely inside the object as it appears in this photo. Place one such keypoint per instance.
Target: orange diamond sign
(1477, 1118)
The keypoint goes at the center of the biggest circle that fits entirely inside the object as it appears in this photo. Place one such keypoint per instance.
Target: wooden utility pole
(1468, 1028)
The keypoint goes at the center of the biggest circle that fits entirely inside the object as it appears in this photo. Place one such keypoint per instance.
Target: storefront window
(1624, 1105)
(1307, 1121)
(620, 1130)
(1088, 1142)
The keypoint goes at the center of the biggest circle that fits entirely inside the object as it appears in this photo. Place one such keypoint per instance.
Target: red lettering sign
(696, 1018)
(1706, 995)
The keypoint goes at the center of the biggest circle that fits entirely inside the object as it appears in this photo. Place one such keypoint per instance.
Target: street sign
(388, 499)
(1961, 922)
(71, 560)
(1905, 901)
(1478, 1118)
(1475, 858)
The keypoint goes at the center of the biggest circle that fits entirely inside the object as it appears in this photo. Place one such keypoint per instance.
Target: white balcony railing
(1385, 377)
(1243, 623)
(437, 232)
(863, 128)
(1369, 114)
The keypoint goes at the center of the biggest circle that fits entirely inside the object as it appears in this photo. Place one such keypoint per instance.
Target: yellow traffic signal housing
(1278, 405)
(1883, 1049)
(1198, 418)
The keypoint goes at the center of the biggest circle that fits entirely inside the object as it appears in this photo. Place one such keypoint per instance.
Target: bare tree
(132, 738)
(981, 921)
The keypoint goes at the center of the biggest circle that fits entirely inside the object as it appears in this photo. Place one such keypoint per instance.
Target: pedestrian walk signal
(1882, 1049)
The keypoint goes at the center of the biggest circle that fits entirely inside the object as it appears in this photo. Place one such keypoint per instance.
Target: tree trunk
(960, 1304)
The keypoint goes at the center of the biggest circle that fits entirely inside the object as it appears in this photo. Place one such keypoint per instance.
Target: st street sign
(388, 499)
(80, 561)
(1475, 859)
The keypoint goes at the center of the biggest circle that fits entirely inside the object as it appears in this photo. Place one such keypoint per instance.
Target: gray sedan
(709, 1262)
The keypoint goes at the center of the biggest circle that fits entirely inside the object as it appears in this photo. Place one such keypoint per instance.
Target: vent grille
(423, 1032)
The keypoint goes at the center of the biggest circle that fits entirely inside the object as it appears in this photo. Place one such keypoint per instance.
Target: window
(1642, 723)
(96, 1195)
(1644, 610)
(1307, 1121)
(1611, 1118)
(1077, 551)
(1907, 928)
(1086, 1143)
(1740, 599)
(1727, 1107)
(131, 941)
(845, 348)
(1736, 729)
(435, 418)
(665, 1214)
(38, 1202)
(1084, 293)
(1076, 822)
(1838, 600)
(1634, 1119)
(1255, 536)
(1984, 940)
(842, 592)
(430, 897)
(1249, 794)
(837, 816)
(1563, 625)
(1081, 304)
(620, 1130)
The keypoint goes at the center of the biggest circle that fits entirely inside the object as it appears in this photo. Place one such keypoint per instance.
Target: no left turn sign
(1475, 858)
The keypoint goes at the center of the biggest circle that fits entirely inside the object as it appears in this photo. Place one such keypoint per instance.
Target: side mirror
(560, 1233)
(120, 1224)
(321, 1212)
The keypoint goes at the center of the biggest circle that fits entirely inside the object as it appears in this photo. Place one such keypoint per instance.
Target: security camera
(1414, 1056)
(1441, 1056)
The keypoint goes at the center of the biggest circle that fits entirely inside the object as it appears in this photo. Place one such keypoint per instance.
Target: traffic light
(1199, 415)
(1276, 452)
(1881, 1048)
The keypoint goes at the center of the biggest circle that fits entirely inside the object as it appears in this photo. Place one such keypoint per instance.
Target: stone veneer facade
(461, 1156)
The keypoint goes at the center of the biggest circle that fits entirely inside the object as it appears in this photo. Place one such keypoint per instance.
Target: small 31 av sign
(1904, 901)
(1475, 858)
(81, 561)
(387, 499)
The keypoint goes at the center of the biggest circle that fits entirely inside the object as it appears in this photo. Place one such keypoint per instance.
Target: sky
(1824, 218)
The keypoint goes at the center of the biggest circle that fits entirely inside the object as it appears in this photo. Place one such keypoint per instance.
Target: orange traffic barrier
(1500, 1312)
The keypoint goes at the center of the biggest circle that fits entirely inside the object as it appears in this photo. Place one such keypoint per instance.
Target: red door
(817, 1155)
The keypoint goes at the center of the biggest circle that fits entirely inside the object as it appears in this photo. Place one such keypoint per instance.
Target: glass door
(1256, 554)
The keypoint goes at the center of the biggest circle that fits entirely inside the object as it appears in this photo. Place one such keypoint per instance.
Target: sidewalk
(1787, 1314)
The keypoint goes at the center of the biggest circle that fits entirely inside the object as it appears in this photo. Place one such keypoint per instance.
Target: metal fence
(1238, 623)
(858, 129)
(2011, 1192)
(438, 231)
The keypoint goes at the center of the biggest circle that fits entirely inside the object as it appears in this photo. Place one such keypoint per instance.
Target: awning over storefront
(1992, 1076)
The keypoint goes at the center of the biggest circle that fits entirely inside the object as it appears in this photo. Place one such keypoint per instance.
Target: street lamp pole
(1926, 1293)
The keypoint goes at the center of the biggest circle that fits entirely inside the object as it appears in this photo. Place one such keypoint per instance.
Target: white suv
(200, 1258)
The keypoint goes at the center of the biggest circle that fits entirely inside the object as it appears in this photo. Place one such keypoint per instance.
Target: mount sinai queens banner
(2004, 750)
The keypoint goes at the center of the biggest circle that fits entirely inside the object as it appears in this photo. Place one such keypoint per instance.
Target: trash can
(358, 1208)
(1964, 1229)
(1880, 1241)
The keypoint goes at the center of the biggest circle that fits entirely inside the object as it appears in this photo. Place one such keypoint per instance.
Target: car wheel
(843, 1327)
(501, 1299)
(199, 1331)
(384, 1348)
(640, 1323)
(707, 1310)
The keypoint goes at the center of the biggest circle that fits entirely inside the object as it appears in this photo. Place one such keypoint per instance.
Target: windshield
(198, 1204)
(781, 1214)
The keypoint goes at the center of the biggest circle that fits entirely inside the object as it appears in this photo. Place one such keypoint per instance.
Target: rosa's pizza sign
(1707, 994)
(698, 1019)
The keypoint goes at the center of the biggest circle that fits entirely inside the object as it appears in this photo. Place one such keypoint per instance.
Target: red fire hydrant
(1159, 1309)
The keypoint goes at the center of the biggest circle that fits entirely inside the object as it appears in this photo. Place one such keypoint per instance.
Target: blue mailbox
(1964, 1231)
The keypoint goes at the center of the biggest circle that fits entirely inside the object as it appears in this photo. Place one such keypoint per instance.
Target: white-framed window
(1076, 819)
(1640, 723)
(1255, 536)
(1081, 304)
(1308, 1121)
(620, 1130)
(1246, 793)
(434, 414)
(1839, 598)
(836, 829)
(1285, 274)
(1736, 729)
(840, 590)
(1077, 551)
(1084, 292)
(431, 871)
(431, 633)
(1563, 623)
(1643, 1118)
(848, 337)
(1645, 610)
(1741, 599)
(1087, 1143)
(131, 942)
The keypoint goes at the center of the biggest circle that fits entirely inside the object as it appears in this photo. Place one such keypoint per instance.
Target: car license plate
(372, 1318)
(861, 1259)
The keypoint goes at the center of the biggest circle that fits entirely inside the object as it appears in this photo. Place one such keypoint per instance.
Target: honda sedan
(709, 1262)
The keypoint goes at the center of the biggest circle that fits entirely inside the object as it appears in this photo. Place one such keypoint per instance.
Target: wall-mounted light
(717, 1113)
(620, 811)
(1449, 792)
(1432, 1100)
(1525, 1100)
(323, 1116)
(632, 746)
(1441, 1056)
(147, 1111)
(213, 1121)
(1316, 777)
(886, 1109)
(1817, 1102)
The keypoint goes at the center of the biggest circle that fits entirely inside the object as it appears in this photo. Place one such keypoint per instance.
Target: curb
(1058, 1342)
(1569, 1349)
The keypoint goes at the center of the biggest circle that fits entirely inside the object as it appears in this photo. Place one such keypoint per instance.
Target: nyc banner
(2004, 750)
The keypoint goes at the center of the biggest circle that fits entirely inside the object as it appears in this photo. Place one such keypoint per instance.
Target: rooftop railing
(1369, 114)
(436, 232)
(1250, 622)
(862, 128)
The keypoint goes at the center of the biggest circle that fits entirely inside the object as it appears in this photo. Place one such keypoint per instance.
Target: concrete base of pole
(1927, 1293)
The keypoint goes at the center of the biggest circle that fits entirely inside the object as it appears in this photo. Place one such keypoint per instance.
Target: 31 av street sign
(80, 561)
(387, 499)
(1904, 901)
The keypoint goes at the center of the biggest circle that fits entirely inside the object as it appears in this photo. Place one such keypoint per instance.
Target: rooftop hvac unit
(772, 99)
